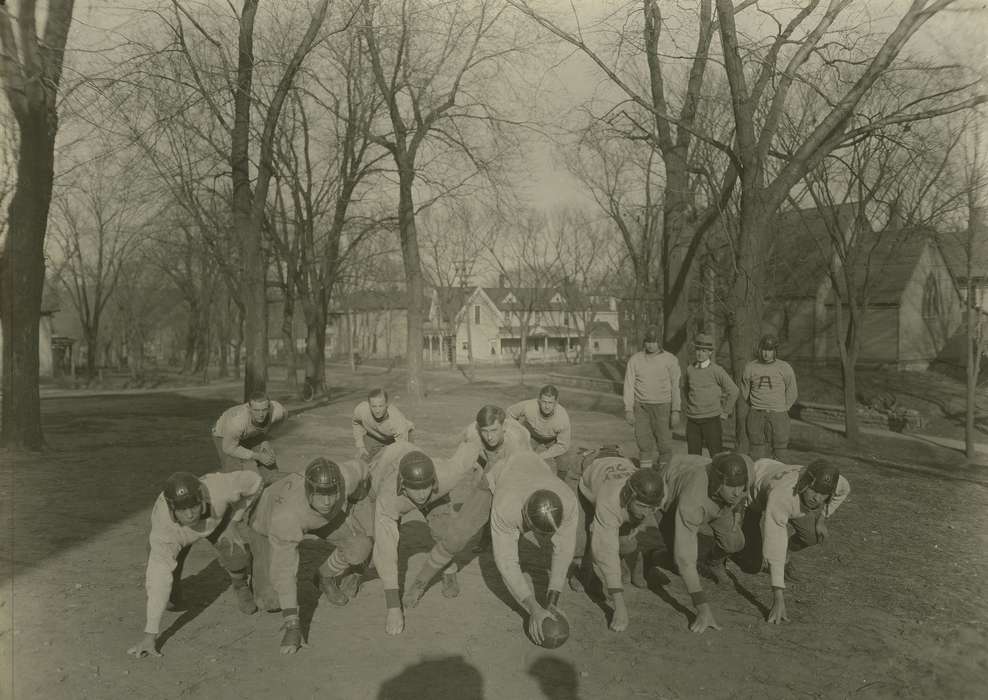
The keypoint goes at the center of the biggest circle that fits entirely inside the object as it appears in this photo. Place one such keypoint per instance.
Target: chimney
(502, 281)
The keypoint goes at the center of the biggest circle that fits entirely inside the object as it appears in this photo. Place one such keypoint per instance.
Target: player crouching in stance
(327, 502)
(404, 480)
(704, 496)
(240, 436)
(530, 499)
(789, 498)
(190, 509)
(617, 500)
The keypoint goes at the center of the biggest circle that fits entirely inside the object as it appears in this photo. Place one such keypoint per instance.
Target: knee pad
(357, 549)
(455, 540)
(734, 543)
(233, 556)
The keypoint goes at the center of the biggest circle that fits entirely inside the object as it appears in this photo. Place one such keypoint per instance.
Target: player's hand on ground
(538, 615)
(822, 533)
(704, 620)
(777, 615)
(629, 416)
(619, 622)
(145, 647)
(395, 623)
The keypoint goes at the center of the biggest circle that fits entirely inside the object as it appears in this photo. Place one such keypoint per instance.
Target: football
(555, 631)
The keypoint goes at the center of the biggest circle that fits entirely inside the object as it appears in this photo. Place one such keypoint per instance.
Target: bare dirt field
(893, 606)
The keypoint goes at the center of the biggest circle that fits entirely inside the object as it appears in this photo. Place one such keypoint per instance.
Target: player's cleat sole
(350, 585)
(331, 591)
(714, 570)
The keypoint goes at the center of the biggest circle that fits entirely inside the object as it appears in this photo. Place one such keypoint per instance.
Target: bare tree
(529, 259)
(586, 262)
(326, 189)
(96, 230)
(662, 111)
(30, 70)
(432, 63)
(454, 240)
(972, 242)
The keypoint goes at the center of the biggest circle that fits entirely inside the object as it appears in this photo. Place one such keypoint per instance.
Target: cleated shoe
(331, 590)
(245, 600)
(350, 585)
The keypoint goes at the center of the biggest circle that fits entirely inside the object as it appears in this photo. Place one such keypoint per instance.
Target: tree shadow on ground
(557, 679)
(199, 591)
(435, 678)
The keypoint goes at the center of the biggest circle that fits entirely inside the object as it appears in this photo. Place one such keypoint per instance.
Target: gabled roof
(602, 329)
(954, 246)
(543, 299)
(801, 248)
(450, 300)
(885, 267)
(376, 300)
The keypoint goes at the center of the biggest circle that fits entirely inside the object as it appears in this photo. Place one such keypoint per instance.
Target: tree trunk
(92, 343)
(746, 299)
(847, 346)
(975, 332)
(315, 344)
(288, 338)
(22, 276)
(415, 286)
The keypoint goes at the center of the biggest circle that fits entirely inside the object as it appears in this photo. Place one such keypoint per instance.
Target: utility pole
(462, 267)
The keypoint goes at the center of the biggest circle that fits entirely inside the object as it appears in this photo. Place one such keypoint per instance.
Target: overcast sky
(954, 35)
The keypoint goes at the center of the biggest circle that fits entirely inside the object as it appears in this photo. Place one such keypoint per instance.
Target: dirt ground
(894, 606)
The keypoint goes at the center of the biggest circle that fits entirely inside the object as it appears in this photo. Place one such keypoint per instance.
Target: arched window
(932, 303)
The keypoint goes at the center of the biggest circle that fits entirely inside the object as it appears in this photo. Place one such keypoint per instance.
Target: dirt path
(893, 607)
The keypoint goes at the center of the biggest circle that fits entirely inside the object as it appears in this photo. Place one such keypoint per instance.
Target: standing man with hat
(768, 386)
(652, 401)
(710, 395)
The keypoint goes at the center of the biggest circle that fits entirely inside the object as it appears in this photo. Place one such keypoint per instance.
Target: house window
(566, 321)
(596, 345)
(932, 303)
(476, 314)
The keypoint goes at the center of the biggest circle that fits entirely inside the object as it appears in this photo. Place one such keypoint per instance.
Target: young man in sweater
(378, 423)
(652, 400)
(548, 426)
(768, 386)
(710, 395)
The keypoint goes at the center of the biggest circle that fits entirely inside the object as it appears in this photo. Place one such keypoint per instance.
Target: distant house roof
(884, 260)
(887, 264)
(602, 329)
(954, 246)
(450, 300)
(376, 300)
(544, 299)
(801, 248)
